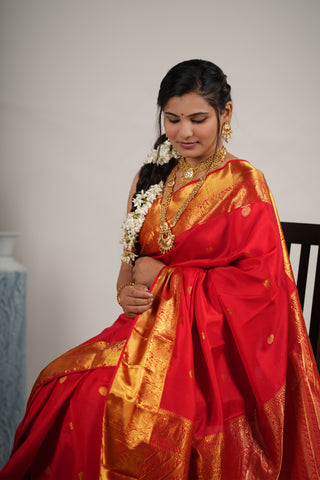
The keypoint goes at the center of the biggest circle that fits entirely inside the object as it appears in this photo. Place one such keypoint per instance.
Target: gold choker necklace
(190, 173)
(166, 237)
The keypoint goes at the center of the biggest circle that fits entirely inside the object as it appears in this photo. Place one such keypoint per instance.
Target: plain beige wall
(78, 89)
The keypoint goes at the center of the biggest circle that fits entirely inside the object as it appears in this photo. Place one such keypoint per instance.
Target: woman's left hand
(145, 270)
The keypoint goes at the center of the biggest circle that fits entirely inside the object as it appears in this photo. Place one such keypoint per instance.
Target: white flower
(134, 221)
(162, 154)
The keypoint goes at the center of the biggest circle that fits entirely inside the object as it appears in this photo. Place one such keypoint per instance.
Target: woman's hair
(191, 76)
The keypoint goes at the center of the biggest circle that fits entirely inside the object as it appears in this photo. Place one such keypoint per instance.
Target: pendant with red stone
(166, 238)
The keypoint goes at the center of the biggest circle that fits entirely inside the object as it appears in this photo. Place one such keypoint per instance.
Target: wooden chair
(306, 234)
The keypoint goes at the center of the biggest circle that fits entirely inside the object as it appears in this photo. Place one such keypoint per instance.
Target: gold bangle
(128, 284)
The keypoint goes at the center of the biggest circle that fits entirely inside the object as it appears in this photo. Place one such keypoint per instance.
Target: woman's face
(191, 126)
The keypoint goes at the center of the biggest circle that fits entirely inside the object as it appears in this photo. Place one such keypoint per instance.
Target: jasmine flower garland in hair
(132, 225)
(162, 154)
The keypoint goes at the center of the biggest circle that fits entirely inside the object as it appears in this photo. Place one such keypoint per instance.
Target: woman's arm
(146, 270)
(135, 299)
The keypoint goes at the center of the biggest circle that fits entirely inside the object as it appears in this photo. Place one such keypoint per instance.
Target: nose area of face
(186, 129)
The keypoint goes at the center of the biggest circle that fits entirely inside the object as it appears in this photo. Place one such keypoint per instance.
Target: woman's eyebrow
(190, 115)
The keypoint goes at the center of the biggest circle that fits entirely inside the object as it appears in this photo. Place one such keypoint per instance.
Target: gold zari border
(238, 452)
(83, 357)
(234, 186)
(132, 408)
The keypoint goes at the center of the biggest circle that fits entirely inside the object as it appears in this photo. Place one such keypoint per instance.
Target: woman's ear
(226, 114)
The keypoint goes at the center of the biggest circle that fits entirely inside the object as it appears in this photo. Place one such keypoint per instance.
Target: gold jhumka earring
(226, 131)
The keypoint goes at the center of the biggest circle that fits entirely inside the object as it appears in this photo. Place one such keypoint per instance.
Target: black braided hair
(150, 173)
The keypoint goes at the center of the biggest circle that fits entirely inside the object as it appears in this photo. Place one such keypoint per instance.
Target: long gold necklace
(166, 237)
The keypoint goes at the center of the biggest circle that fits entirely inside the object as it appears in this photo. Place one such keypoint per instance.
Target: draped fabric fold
(217, 380)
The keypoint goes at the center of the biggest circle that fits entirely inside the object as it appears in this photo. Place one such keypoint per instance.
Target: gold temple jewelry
(190, 173)
(166, 237)
(226, 131)
(128, 284)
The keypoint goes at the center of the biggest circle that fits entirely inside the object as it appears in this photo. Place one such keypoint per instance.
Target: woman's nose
(186, 129)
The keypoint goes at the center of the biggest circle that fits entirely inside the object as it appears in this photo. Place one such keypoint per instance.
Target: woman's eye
(193, 120)
(199, 121)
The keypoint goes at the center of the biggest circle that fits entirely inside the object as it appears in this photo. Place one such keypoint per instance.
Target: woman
(209, 373)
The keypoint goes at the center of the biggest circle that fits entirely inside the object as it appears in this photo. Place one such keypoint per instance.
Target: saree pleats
(216, 381)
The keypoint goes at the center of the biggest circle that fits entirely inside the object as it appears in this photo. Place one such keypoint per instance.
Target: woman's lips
(187, 145)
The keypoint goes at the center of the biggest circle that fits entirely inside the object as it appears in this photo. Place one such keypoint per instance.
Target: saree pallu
(216, 381)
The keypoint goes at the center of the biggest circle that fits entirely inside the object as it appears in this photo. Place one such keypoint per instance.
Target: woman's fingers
(134, 291)
(135, 299)
(138, 304)
(132, 311)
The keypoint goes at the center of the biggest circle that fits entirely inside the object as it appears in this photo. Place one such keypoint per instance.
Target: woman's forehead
(187, 104)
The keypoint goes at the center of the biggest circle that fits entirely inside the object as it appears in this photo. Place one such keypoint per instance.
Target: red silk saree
(216, 381)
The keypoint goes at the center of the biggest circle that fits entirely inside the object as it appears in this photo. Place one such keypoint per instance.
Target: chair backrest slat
(303, 272)
(314, 332)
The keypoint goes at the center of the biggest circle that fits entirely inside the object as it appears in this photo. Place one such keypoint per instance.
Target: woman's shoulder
(244, 175)
(243, 167)
(238, 173)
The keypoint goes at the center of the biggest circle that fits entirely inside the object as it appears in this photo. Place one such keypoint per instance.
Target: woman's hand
(146, 270)
(135, 299)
